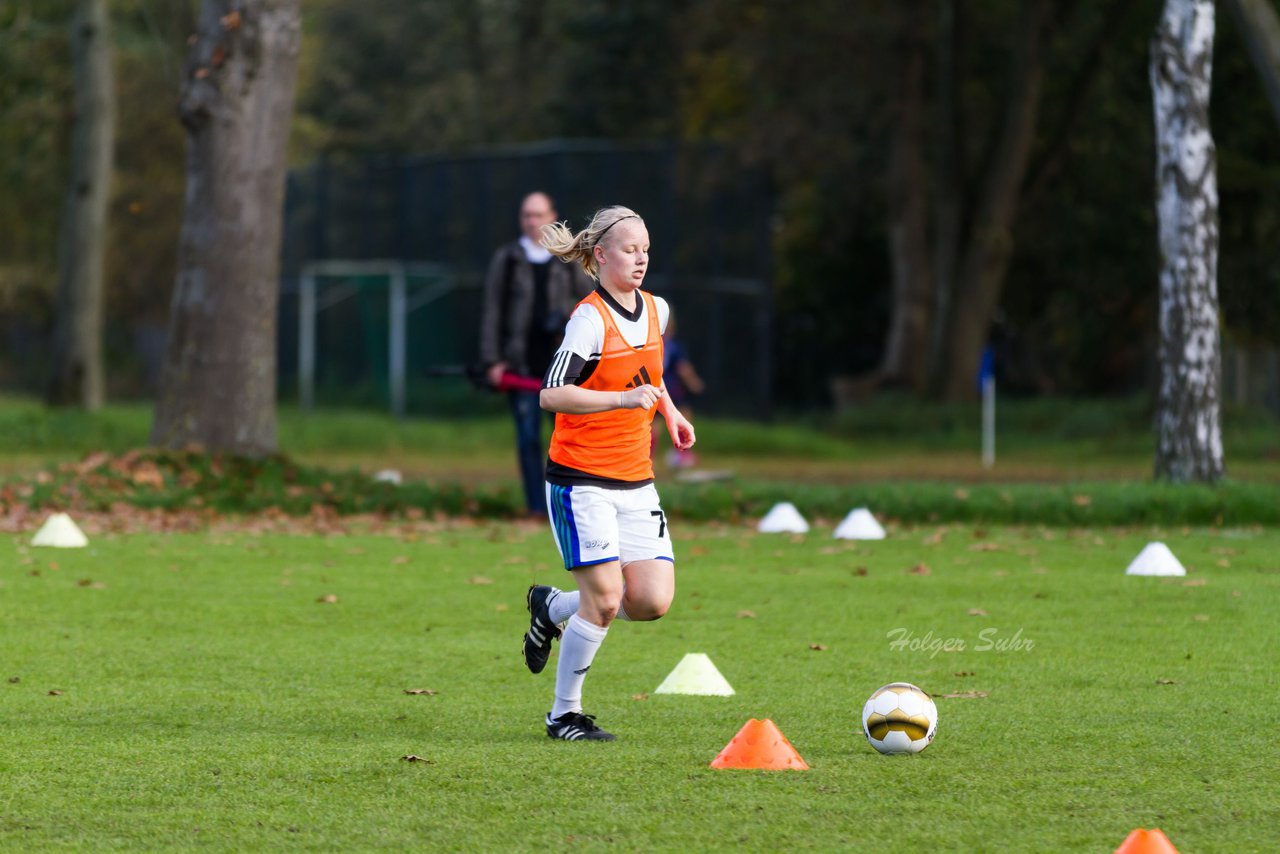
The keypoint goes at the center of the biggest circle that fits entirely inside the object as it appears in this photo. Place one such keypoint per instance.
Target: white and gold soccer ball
(899, 718)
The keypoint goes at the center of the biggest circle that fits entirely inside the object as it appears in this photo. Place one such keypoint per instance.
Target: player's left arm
(682, 435)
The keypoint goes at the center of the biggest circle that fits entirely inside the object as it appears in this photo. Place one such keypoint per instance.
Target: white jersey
(583, 343)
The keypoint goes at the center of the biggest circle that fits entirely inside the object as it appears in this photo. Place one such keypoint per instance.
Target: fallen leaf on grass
(1166, 682)
(746, 615)
(1201, 618)
(639, 696)
(502, 607)
(920, 569)
(961, 494)
(430, 692)
(1224, 563)
(961, 695)
(328, 599)
(411, 757)
(146, 474)
(977, 612)
(55, 693)
(400, 560)
(1195, 582)
(479, 579)
(964, 673)
(92, 461)
(1081, 500)
(818, 647)
(986, 547)
(860, 571)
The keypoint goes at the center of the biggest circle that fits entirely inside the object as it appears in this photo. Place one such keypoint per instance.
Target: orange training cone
(1146, 842)
(759, 744)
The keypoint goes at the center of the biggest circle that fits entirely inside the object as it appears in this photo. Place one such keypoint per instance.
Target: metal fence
(708, 218)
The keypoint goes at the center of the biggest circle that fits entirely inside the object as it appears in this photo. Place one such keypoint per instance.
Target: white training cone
(1155, 559)
(859, 525)
(784, 518)
(60, 532)
(695, 674)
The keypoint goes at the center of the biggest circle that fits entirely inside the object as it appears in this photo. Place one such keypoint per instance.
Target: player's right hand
(644, 397)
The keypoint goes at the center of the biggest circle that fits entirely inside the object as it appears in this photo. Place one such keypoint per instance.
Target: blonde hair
(561, 242)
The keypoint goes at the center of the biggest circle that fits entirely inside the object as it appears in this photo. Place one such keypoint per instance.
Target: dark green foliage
(798, 88)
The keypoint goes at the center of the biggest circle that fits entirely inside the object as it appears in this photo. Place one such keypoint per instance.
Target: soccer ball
(899, 718)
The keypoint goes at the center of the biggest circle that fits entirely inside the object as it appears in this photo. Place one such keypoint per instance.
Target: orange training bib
(614, 444)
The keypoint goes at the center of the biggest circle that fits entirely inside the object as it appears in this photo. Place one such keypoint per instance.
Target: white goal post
(399, 304)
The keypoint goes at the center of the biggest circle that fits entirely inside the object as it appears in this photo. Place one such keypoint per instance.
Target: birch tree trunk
(218, 386)
(76, 377)
(1188, 430)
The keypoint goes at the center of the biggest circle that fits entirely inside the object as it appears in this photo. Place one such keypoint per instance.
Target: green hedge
(1110, 503)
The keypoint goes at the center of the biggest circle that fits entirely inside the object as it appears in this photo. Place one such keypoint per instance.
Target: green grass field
(211, 699)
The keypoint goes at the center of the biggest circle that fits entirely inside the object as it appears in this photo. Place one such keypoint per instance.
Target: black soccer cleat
(537, 641)
(575, 726)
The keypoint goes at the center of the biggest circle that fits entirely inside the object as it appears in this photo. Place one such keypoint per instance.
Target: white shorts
(595, 525)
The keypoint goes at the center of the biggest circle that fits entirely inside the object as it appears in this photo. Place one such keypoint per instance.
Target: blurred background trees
(942, 170)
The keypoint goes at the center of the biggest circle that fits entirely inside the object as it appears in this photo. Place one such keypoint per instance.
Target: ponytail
(560, 241)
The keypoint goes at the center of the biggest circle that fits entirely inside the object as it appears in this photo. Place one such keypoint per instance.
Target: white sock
(578, 647)
(563, 605)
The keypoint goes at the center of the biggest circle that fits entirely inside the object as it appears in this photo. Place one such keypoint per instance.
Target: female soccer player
(604, 384)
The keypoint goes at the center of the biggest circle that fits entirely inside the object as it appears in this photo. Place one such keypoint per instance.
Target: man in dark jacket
(528, 297)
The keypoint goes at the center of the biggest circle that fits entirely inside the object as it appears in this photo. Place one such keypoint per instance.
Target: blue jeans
(529, 448)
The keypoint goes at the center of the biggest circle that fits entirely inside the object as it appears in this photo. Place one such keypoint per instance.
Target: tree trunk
(989, 246)
(1259, 26)
(949, 180)
(905, 360)
(1188, 431)
(218, 386)
(76, 378)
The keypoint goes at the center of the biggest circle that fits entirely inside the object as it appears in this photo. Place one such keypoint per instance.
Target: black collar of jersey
(633, 316)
